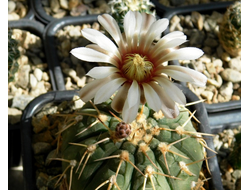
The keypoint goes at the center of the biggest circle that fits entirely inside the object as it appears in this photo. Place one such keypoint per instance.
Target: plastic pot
(58, 96)
(51, 48)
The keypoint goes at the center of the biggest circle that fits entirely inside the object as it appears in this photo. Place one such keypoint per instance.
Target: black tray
(50, 44)
(58, 96)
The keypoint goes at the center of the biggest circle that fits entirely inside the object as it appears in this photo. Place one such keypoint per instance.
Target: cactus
(100, 151)
(13, 55)
(230, 30)
(120, 7)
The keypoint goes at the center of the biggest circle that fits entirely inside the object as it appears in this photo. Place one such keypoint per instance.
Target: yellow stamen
(137, 68)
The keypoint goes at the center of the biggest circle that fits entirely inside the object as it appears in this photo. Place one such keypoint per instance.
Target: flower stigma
(137, 67)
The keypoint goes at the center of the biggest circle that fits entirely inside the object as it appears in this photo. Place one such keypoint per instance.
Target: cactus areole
(152, 152)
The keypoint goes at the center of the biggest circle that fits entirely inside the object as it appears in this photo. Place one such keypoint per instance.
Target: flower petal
(133, 94)
(129, 25)
(109, 23)
(165, 97)
(199, 79)
(129, 114)
(186, 53)
(154, 31)
(174, 35)
(177, 75)
(152, 98)
(102, 72)
(107, 90)
(91, 55)
(120, 98)
(162, 45)
(170, 113)
(89, 90)
(174, 92)
(100, 39)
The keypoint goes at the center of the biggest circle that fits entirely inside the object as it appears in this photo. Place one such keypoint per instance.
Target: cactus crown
(230, 30)
(13, 55)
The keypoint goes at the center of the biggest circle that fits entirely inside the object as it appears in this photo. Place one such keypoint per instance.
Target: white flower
(138, 69)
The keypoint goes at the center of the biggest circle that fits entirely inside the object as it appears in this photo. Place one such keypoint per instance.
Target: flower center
(137, 68)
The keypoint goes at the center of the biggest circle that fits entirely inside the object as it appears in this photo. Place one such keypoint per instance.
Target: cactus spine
(230, 30)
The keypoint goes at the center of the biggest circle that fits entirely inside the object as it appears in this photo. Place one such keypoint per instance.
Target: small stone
(33, 81)
(41, 147)
(217, 83)
(40, 89)
(208, 95)
(235, 63)
(217, 63)
(205, 59)
(45, 76)
(64, 4)
(226, 90)
(60, 14)
(21, 9)
(236, 174)
(54, 5)
(35, 60)
(38, 74)
(23, 76)
(81, 82)
(78, 103)
(21, 101)
(11, 6)
(235, 97)
(73, 3)
(13, 16)
(42, 180)
(79, 10)
(231, 75)
(173, 22)
(196, 38)
(197, 19)
(14, 115)
(225, 57)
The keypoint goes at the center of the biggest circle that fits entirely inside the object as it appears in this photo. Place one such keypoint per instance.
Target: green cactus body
(149, 155)
(13, 55)
(230, 30)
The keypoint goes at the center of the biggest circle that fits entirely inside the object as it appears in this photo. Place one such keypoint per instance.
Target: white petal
(113, 58)
(89, 90)
(133, 94)
(120, 98)
(91, 55)
(100, 39)
(174, 92)
(101, 72)
(155, 30)
(147, 21)
(109, 23)
(152, 98)
(129, 25)
(199, 79)
(129, 114)
(186, 53)
(170, 113)
(177, 75)
(106, 91)
(165, 97)
(174, 35)
(163, 45)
